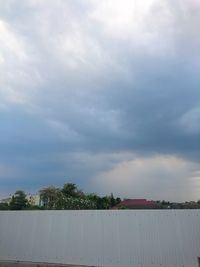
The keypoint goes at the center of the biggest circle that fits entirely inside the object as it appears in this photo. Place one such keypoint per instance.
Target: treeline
(69, 197)
(177, 205)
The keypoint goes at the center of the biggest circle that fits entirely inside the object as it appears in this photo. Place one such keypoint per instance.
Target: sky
(104, 94)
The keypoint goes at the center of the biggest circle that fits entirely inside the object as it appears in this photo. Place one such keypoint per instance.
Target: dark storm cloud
(87, 78)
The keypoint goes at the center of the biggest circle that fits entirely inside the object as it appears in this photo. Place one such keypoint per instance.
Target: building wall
(6, 200)
(33, 199)
(109, 238)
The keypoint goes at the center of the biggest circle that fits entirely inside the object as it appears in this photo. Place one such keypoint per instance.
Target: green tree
(97, 200)
(19, 201)
(4, 206)
(70, 197)
(74, 203)
(118, 200)
(112, 201)
(51, 197)
(106, 202)
(71, 190)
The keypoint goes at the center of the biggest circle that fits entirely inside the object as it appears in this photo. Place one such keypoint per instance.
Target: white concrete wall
(125, 238)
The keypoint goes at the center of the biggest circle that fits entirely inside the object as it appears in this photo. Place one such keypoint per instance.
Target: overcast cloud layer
(105, 94)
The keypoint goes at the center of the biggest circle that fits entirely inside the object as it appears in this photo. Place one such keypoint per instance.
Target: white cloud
(121, 18)
(18, 78)
(156, 177)
(10, 44)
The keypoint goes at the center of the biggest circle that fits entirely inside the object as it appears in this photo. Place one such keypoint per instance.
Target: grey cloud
(84, 84)
(153, 177)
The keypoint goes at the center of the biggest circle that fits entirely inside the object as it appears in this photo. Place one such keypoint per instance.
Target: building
(6, 200)
(33, 199)
(136, 204)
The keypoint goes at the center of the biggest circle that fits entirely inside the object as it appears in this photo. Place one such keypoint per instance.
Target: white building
(6, 200)
(33, 199)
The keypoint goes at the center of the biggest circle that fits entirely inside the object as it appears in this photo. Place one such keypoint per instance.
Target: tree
(106, 202)
(70, 197)
(75, 203)
(4, 206)
(118, 200)
(112, 200)
(51, 197)
(71, 190)
(95, 199)
(19, 201)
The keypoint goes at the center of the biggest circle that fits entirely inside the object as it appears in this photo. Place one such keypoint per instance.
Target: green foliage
(4, 206)
(19, 201)
(50, 197)
(71, 190)
(94, 199)
(70, 197)
(105, 202)
(67, 197)
(78, 204)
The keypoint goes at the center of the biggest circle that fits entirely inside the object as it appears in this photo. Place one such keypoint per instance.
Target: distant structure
(136, 204)
(5, 200)
(34, 200)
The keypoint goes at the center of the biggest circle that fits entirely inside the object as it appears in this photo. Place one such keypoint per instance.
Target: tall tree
(71, 190)
(50, 196)
(18, 201)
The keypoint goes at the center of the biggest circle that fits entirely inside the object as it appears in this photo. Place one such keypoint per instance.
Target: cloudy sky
(104, 94)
